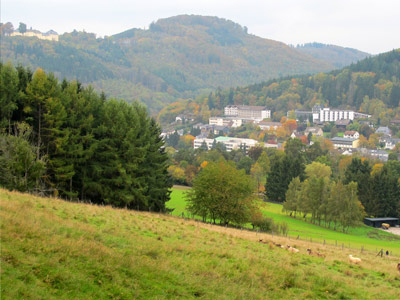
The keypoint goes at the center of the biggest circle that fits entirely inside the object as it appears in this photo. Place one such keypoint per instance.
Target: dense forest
(370, 86)
(65, 140)
(177, 57)
(338, 56)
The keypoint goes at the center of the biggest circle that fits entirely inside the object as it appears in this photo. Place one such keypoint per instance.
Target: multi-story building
(344, 143)
(331, 115)
(248, 112)
(231, 143)
(225, 121)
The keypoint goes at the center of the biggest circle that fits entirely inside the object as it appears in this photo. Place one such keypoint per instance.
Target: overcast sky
(372, 26)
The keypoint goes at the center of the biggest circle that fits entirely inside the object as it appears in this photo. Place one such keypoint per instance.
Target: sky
(372, 26)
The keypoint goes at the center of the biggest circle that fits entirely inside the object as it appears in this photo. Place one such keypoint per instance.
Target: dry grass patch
(56, 249)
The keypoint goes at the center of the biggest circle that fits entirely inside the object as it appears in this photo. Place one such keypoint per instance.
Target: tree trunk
(39, 125)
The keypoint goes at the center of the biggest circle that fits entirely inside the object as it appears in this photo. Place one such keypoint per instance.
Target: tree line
(64, 139)
(377, 185)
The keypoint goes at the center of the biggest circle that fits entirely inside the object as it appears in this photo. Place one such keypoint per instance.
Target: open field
(361, 237)
(52, 249)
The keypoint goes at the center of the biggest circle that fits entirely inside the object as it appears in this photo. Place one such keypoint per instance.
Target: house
(373, 153)
(390, 143)
(351, 134)
(385, 131)
(317, 131)
(264, 125)
(184, 118)
(296, 134)
(343, 143)
(395, 122)
(342, 124)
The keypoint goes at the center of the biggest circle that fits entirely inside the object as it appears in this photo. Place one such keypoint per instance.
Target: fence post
(324, 242)
(298, 236)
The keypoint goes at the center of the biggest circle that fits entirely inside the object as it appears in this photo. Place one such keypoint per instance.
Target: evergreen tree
(359, 171)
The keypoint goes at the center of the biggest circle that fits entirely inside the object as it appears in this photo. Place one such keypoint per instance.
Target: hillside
(56, 249)
(337, 56)
(177, 57)
(370, 86)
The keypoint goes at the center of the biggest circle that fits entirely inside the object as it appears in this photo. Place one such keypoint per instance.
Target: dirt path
(394, 230)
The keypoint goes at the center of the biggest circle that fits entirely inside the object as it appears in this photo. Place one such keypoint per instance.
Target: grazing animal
(321, 255)
(309, 251)
(354, 260)
(263, 242)
(398, 267)
(293, 250)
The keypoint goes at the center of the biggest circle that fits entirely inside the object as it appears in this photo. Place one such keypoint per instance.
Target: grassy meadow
(53, 249)
(361, 237)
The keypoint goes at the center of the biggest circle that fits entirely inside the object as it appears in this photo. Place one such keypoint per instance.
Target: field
(52, 249)
(361, 237)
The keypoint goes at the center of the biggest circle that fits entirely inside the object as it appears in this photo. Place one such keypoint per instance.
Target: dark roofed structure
(377, 222)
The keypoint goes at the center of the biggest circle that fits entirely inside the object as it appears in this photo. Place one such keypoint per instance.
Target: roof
(384, 130)
(343, 122)
(350, 132)
(248, 107)
(312, 129)
(340, 139)
(266, 123)
(381, 219)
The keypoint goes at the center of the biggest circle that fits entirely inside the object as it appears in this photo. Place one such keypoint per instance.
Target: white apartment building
(331, 115)
(248, 112)
(231, 143)
(225, 121)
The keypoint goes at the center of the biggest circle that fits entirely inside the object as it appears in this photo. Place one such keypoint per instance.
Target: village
(346, 131)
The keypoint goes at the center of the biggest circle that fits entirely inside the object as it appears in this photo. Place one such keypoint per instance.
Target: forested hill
(371, 86)
(177, 57)
(338, 56)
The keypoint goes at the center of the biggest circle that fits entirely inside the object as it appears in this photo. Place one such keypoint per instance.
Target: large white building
(225, 121)
(231, 143)
(248, 112)
(331, 115)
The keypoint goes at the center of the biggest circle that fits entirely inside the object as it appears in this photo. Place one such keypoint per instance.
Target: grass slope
(51, 249)
(361, 237)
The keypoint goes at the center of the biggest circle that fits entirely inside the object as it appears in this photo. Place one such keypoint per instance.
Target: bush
(262, 223)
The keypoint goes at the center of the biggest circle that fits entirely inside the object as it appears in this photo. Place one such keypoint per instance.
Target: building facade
(248, 112)
(231, 143)
(344, 143)
(225, 121)
(331, 115)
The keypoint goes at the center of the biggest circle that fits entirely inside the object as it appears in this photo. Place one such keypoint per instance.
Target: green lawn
(361, 237)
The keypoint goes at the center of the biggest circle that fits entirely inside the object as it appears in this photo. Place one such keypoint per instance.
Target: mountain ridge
(177, 57)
